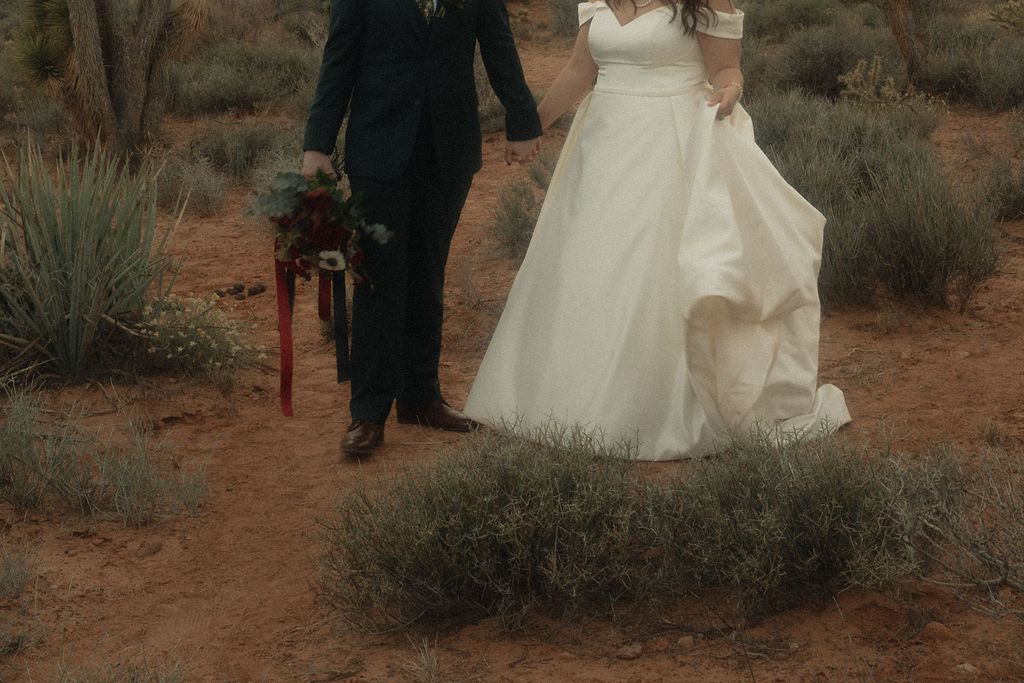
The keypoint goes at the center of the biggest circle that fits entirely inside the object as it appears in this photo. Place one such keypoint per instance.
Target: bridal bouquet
(316, 230)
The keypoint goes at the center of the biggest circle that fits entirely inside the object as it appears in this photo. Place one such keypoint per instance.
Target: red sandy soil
(230, 593)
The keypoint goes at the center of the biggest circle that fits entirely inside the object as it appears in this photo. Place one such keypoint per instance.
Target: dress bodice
(651, 54)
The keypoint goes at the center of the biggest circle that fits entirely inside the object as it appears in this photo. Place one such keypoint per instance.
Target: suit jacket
(388, 67)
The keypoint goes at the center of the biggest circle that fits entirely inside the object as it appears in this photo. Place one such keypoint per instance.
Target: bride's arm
(722, 56)
(574, 79)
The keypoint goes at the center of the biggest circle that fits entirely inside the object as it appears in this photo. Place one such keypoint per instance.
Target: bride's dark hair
(692, 12)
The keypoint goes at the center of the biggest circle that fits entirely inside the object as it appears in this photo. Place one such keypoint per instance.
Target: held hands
(313, 161)
(521, 151)
(726, 98)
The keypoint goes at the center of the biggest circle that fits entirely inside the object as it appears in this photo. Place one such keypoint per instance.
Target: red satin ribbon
(284, 329)
(323, 299)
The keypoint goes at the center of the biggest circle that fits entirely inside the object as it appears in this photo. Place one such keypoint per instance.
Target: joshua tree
(104, 59)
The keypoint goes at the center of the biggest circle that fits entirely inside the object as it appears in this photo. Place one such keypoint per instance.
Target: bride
(669, 294)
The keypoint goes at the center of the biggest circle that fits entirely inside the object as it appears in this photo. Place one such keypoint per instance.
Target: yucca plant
(80, 257)
(104, 59)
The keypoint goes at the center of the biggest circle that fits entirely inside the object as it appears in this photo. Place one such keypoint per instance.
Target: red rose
(357, 258)
(317, 201)
(327, 234)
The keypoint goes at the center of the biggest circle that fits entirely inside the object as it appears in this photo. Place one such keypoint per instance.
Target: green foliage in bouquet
(317, 227)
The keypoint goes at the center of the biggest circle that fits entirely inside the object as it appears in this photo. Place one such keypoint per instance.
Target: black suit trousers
(397, 316)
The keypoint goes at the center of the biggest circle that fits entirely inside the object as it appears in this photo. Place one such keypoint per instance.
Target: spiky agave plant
(103, 59)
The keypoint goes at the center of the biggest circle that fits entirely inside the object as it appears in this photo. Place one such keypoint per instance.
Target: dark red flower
(327, 234)
(317, 201)
(357, 258)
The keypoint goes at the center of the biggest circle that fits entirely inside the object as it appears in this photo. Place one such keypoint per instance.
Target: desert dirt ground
(230, 593)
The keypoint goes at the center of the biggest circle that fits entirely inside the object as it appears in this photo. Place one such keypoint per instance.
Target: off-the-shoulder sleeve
(726, 26)
(586, 10)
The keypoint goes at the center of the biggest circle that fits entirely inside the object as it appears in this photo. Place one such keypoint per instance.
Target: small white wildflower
(331, 260)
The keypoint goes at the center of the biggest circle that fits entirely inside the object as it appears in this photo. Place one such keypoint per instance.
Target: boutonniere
(443, 5)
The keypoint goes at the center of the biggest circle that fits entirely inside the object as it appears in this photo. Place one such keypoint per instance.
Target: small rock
(936, 631)
(220, 292)
(686, 642)
(965, 668)
(253, 290)
(240, 295)
(238, 287)
(631, 651)
(149, 549)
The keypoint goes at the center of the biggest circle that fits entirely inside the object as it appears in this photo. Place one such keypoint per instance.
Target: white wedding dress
(669, 294)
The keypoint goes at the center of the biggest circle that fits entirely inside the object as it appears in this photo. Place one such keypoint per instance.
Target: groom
(403, 71)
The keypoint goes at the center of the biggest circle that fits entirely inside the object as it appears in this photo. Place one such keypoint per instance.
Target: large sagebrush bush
(243, 77)
(558, 519)
(895, 224)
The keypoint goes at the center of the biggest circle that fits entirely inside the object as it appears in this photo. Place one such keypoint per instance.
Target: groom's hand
(521, 151)
(313, 161)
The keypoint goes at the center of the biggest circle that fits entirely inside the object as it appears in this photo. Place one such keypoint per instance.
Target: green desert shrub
(559, 519)
(813, 59)
(776, 20)
(192, 336)
(16, 571)
(519, 203)
(493, 528)
(48, 460)
(564, 17)
(241, 77)
(895, 223)
(192, 182)
(973, 62)
(1004, 187)
(239, 147)
(776, 521)
(80, 257)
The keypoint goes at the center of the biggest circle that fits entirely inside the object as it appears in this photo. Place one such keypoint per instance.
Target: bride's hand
(726, 98)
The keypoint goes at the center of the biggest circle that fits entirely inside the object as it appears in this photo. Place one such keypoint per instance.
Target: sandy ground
(230, 594)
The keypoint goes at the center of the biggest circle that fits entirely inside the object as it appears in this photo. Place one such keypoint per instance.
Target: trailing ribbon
(331, 285)
(285, 285)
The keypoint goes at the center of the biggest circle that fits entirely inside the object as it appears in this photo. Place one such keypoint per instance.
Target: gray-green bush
(55, 462)
(519, 204)
(242, 78)
(240, 147)
(895, 223)
(812, 59)
(564, 17)
(561, 520)
(81, 256)
(193, 181)
(973, 62)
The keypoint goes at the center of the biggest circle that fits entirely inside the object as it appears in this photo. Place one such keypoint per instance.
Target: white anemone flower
(331, 260)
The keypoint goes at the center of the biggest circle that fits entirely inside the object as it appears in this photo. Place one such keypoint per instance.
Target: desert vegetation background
(163, 521)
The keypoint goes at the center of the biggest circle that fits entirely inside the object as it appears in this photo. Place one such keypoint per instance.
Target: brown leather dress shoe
(436, 414)
(362, 438)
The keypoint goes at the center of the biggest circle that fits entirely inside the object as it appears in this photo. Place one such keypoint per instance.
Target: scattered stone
(631, 651)
(220, 293)
(240, 295)
(253, 290)
(149, 549)
(238, 287)
(936, 631)
(686, 642)
(965, 668)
